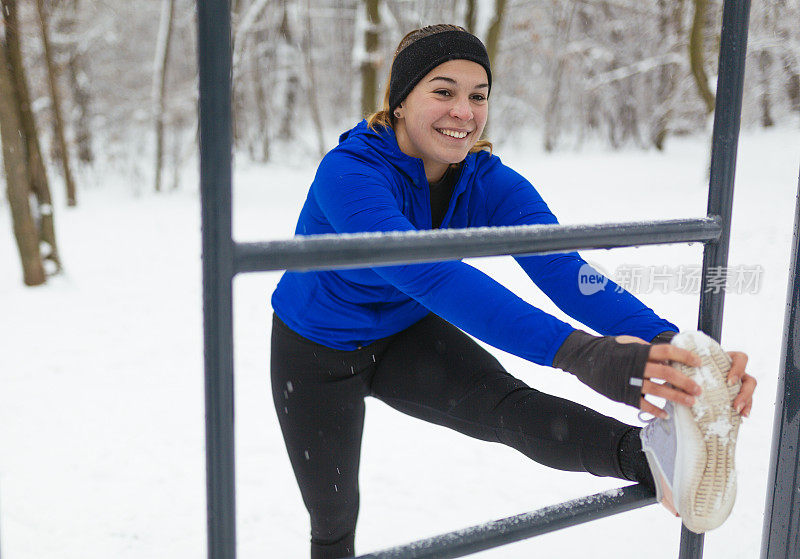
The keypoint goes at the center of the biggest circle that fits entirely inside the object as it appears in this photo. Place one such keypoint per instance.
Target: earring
(397, 114)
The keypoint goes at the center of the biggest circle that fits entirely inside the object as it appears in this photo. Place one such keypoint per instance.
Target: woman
(397, 332)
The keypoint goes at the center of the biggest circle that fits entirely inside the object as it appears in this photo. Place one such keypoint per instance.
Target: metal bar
(781, 534)
(727, 117)
(321, 252)
(691, 544)
(522, 526)
(725, 140)
(221, 259)
(214, 61)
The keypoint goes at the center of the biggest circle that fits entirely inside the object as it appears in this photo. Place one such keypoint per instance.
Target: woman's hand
(744, 400)
(678, 387)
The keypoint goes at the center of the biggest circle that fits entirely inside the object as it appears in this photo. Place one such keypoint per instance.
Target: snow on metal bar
(516, 528)
(325, 252)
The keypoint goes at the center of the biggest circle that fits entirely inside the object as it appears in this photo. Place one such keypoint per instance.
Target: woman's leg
(433, 371)
(319, 398)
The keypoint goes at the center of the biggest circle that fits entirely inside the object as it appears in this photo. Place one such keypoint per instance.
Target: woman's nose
(461, 109)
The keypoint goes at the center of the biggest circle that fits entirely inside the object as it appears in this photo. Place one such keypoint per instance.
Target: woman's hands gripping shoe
(620, 369)
(675, 386)
(691, 454)
(682, 387)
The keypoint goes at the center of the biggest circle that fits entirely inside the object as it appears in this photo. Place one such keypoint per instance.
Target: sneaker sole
(705, 476)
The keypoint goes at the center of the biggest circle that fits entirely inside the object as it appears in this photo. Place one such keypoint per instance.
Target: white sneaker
(691, 454)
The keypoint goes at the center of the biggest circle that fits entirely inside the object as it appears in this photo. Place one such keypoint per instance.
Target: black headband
(423, 55)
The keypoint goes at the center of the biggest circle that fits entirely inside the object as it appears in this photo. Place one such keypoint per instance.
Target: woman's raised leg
(435, 372)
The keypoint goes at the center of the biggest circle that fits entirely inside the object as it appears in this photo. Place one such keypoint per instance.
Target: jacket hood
(385, 143)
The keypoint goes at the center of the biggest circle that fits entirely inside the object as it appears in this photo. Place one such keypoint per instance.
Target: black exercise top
(441, 192)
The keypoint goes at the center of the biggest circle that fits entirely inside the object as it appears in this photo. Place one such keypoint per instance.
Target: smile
(453, 133)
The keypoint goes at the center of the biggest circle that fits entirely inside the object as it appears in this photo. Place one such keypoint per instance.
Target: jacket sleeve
(609, 310)
(354, 197)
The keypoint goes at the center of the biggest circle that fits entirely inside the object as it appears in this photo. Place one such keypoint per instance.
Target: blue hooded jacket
(366, 184)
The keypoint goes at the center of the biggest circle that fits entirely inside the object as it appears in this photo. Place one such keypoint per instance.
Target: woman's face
(444, 115)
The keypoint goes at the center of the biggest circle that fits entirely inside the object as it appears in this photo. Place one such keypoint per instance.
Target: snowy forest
(110, 85)
(605, 106)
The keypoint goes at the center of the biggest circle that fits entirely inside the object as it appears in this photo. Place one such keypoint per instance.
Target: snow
(101, 378)
(704, 375)
(720, 428)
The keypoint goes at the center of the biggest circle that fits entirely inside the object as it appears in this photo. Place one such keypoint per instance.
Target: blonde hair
(384, 117)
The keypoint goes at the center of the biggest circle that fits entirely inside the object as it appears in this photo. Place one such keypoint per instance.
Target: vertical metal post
(727, 116)
(214, 60)
(781, 535)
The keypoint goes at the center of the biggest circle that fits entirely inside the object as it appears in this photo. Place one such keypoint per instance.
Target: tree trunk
(792, 81)
(764, 64)
(469, 17)
(249, 75)
(369, 66)
(313, 103)
(552, 112)
(260, 99)
(287, 55)
(782, 27)
(493, 39)
(80, 93)
(55, 98)
(36, 173)
(17, 179)
(238, 105)
(495, 30)
(159, 82)
(669, 16)
(696, 54)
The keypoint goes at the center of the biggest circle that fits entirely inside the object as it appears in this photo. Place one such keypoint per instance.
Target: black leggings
(432, 371)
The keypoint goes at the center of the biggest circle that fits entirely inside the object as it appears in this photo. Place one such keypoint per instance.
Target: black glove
(613, 369)
(664, 337)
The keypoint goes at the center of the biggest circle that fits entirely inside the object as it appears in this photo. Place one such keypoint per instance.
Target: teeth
(453, 133)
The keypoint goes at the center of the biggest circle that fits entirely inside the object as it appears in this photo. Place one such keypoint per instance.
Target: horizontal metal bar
(516, 528)
(326, 252)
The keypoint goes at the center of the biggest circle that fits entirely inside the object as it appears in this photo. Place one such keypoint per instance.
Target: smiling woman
(399, 333)
(405, 75)
(442, 118)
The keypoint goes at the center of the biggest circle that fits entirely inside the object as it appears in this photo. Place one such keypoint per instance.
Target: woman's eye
(479, 97)
(442, 92)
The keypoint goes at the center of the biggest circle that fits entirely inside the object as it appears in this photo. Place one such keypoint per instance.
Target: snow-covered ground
(101, 378)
